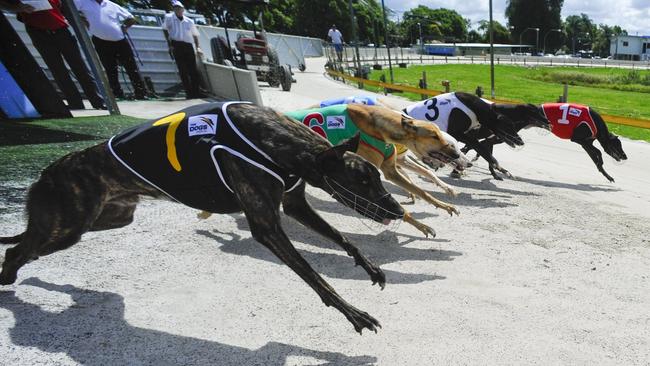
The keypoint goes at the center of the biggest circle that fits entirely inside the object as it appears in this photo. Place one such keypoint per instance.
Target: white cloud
(631, 15)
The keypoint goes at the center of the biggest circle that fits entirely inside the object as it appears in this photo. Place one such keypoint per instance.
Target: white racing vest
(438, 109)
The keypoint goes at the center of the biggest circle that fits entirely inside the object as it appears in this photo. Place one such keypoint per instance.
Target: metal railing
(410, 56)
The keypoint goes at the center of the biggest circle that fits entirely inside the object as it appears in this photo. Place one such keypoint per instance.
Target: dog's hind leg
(116, 213)
(296, 206)
(260, 196)
(60, 209)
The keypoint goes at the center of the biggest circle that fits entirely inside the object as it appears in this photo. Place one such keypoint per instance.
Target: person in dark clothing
(181, 32)
(108, 24)
(51, 36)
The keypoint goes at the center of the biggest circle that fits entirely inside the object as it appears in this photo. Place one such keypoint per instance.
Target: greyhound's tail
(11, 239)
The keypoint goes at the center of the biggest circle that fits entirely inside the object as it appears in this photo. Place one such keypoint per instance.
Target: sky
(631, 15)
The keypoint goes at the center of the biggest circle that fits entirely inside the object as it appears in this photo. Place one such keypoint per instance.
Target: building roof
(631, 36)
(476, 45)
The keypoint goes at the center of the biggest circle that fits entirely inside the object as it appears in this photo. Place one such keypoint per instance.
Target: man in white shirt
(108, 22)
(181, 32)
(337, 39)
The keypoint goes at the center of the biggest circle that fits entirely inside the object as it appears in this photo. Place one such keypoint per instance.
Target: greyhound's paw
(496, 176)
(7, 278)
(378, 277)
(450, 191)
(361, 319)
(451, 210)
(427, 230)
(203, 215)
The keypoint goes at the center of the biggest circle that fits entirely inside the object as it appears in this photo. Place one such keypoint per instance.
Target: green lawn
(27, 147)
(539, 85)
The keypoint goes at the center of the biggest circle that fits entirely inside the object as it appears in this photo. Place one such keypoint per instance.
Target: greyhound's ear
(407, 125)
(337, 151)
(352, 144)
(410, 127)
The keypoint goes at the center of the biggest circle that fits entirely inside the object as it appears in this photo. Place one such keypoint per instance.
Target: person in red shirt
(49, 32)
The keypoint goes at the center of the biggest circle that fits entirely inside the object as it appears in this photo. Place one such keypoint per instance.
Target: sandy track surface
(552, 267)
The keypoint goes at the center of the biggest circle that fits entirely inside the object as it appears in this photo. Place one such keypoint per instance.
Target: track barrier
(620, 120)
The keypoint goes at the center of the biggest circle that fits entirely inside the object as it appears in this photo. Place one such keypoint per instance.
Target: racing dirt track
(552, 267)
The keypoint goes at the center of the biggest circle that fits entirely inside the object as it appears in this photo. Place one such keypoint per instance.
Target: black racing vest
(180, 154)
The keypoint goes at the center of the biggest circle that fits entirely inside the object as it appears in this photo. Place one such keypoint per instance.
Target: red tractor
(251, 53)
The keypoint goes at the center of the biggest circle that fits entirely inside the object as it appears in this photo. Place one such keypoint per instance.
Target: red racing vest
(566, 117)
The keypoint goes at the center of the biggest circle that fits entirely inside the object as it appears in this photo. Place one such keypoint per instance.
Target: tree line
(531, 22)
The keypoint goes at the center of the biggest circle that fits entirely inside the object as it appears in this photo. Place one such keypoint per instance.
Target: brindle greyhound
(581, 132)
(462, 114)
(98, 188)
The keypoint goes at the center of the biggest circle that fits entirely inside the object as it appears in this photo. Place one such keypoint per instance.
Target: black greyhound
(462, 115)
(222, 158)
(519, 117)
(583, 131)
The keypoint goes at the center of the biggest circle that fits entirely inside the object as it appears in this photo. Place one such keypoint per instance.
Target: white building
(635, 48)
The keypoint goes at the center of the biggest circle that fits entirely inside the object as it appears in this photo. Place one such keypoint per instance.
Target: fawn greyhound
(381, 128)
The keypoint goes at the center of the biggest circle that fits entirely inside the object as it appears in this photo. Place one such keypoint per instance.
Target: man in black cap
(181, 33)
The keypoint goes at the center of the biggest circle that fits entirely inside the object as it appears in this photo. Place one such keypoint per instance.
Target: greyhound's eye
(365, 182)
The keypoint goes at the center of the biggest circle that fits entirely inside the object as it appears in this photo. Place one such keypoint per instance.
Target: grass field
(27, 147)
(597, 87)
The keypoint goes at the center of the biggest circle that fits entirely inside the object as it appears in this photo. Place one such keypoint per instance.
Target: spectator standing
(181, 33)
(108, 23)
(337, 40)
(51, 36)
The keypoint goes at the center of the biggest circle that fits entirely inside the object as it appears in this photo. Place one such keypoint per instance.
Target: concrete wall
(233, 83)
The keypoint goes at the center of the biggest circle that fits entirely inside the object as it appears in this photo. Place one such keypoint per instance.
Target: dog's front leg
(487, 155)
(412, 164)
(391, 173)
(597, 157)
(259, 196)
(411, 200)
(296, 206)
(425, 229)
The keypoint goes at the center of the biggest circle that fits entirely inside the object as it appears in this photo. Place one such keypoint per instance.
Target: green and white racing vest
(334, 124)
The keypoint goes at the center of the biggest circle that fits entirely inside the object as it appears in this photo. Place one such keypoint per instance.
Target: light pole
(522, 33)
(390, 63)
(547, 33)
(353, 20)
(421, 40)
(491, 54)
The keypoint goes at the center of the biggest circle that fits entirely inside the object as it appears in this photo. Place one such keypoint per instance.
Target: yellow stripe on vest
(400, 149)
(174, 120)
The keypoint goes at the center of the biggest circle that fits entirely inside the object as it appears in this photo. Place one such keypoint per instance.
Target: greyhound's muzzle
(383, 210)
